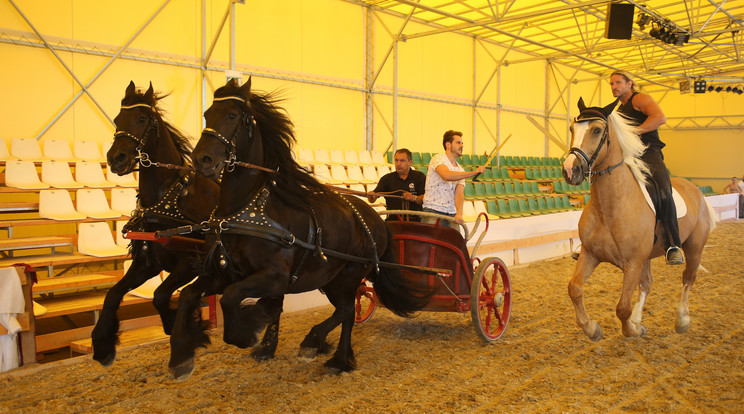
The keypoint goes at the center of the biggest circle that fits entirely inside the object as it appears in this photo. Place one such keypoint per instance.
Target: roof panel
(572, 32)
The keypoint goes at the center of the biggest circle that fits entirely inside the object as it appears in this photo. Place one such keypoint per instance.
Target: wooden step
(58, 259)
(36, 242)
(7, 224)
(55, 284)
(19, 207)
(142, 336)
(81, 302)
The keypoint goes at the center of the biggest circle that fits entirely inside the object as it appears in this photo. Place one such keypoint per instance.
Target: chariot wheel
(365, 303)
(490, 299)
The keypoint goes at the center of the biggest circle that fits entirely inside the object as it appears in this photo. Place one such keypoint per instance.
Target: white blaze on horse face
(578, 130)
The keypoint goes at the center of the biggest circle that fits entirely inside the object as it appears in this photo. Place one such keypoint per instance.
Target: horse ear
(245, 90)
(149, 94)
(582, 105)
(607, 110)
(130, 89)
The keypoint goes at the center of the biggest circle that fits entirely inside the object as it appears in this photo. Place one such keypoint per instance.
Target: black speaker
(619, 23)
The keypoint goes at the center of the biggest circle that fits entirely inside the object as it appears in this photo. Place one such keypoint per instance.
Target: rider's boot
(675, 256)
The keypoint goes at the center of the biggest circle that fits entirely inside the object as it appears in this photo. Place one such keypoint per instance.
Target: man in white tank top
(445, 180)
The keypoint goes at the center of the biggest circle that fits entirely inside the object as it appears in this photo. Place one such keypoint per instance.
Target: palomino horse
(277, 230)
(617, 226)
(170, 195)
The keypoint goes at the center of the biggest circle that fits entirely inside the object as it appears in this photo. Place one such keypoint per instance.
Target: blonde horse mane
(631, 145)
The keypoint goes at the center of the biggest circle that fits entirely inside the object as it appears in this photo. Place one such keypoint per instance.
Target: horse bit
(143, 157)
(250, 122)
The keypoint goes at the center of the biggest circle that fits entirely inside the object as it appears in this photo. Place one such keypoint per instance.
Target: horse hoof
(682, 326)
(308, 353)
(643, 330)
(261, 355)
(597, 335)
(108, 360)
(183, 371)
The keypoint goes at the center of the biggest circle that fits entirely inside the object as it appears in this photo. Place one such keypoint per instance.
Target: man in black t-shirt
(405, 182)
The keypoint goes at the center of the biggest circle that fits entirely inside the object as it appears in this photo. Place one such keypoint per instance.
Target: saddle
(651, 194)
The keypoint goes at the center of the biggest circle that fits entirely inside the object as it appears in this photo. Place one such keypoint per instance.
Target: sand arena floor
(436, 363)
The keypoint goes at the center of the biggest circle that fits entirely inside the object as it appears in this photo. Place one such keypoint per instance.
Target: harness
(586, 161)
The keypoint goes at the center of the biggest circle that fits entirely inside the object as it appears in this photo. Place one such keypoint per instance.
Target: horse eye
(232, 115)
(597, 130)
(142, 119)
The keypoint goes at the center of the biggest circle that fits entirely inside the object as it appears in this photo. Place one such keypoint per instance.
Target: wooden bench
(50, 260)
(19, 207)
(45, 242)
(142, 336)
(63, 283)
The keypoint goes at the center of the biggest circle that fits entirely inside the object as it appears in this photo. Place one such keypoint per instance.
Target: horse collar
(166, 209)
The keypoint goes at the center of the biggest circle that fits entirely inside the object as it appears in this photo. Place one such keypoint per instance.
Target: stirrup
(675, 261)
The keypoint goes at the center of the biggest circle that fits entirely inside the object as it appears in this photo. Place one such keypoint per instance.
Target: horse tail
(397, 293)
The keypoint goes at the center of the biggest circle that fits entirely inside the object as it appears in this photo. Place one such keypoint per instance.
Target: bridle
(152, 123)
(586, 161)
(245, 119)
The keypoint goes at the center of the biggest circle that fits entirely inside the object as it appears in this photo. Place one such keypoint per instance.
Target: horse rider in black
(646, 113)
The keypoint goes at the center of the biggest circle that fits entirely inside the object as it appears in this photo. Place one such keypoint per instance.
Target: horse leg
(162, 297)
(315, 341)
(266, 349)
(189, 330)
(105, 333)
(584, 268)
(645, 288)
(631, 280)
(342, 295)
(244, 316)
(693, 254)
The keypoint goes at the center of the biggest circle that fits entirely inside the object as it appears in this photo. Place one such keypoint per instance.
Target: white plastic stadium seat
(87, 150)
(58, 174)
(305, 156)
(57, 205)
(147, 289)
(58, 150)
(321, 156)
(321, 173)
(27, 149)
(337, 157)
(480, 207)
(355, 174)
(468, 211)
(383, 169)
(95, 239)
(120, 240)
(93, 203)
(22, 174)
(90, 174)
(126, 180)
(4, 153)
(124, 200)
(351, 157)
(338, 175)
(105, 147)
(370, 174)
(360, 188)
(365, 157)
(378, 158)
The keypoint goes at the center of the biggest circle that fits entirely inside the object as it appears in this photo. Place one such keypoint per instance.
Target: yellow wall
(317, 43)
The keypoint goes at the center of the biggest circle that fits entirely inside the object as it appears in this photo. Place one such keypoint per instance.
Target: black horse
(170, 195)
(277, 230)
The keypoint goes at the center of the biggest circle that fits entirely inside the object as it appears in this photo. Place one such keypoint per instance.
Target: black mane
(295, 185)
(180, 140)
